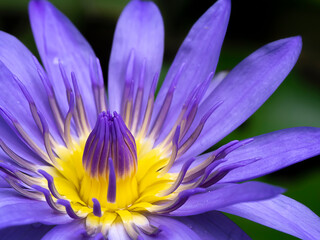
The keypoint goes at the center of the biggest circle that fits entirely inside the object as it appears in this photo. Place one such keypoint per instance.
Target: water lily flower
(76, 164)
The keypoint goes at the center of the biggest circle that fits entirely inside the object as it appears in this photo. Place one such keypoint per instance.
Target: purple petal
(217, 79)
(20, 61)
(214, 225)
(15, 144)
(74, 230)
(57, 40)
(225, 196)
(18, 210)
(13, 102)
(3, 183)
(275, 150)
(281, 213)
(10, 196)
(34, 231)
(177, 165)
(200, 53)
(244, 90)
(171, 229)
(139, 29)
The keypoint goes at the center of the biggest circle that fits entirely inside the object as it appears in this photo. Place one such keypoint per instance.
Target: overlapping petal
(3, 183)
(11, 139)
(26, 232)
(281, 213)
(214, 225)
(244, 90)
(15, 109)
(139, 33)
(226, 195)
(275, 150)
(58, 40)
(16, 59)
(172, 229)
(18, 210)
(74, 230)
(214, 83)
(272, 151)
(199, 53)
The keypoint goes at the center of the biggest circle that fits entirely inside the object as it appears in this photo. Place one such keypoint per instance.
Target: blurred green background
(252, 24)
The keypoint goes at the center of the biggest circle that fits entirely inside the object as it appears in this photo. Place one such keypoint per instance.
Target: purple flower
(74, 165)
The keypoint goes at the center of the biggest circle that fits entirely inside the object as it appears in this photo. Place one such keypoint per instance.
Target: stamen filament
(67, 122)
(138, 100)
(23, 191)
(148, 113)
(179, 179)
(188, 143)
(127, 96)
(47, 143)
(174, 152)
(165, 106)
(56, 111)
(178, 201)
(15, 125)
(32, 105)
(16, 158)
(50, 181)
(48, 198)
(65, 80)
(79, 106)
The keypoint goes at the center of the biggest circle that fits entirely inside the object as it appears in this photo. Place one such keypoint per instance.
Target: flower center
(109, 176)
(110, 150)
(105, 168)
(110, 160)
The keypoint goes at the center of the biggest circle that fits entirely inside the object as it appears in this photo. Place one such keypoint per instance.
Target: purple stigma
(96, 207)
(110, 139)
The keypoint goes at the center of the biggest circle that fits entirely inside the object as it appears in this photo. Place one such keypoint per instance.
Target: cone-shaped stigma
(110, 140)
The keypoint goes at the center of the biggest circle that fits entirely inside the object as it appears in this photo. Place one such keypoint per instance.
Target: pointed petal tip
(34, 3)
(40, 7)
(298, 42)
(35, 6)
(140, 27)
(224, 5)
(220, 10)
(294, 42)
(227, 3)
(141, 4)
(291, 44)
(297, 39)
